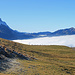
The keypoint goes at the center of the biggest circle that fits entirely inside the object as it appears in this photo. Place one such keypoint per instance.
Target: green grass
(52, 60)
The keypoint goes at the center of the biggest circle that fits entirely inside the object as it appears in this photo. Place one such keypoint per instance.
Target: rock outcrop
(11, 53)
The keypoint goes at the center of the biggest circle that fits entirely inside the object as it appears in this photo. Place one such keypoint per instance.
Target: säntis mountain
(7, 33)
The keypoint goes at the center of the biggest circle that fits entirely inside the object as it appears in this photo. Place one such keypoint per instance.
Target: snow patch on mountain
(2, 22)
(68, 40)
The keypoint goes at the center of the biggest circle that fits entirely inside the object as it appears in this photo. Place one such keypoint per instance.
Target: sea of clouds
(68, 40)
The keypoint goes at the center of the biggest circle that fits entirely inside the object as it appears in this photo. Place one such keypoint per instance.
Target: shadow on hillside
(4, 63)
(7, 58)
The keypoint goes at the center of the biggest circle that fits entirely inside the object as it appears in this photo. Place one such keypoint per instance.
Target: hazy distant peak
(72, 28)
(0, 19)
(2, 22)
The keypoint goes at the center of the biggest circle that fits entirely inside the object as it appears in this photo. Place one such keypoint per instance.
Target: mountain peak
(2, 22)
(72, 28)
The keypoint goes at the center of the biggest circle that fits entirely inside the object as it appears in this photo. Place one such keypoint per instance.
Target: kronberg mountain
(7, 33)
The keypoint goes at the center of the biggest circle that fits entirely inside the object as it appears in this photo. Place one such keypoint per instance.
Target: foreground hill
(51, 60)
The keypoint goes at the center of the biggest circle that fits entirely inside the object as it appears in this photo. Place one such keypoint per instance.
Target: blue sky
(38, 15)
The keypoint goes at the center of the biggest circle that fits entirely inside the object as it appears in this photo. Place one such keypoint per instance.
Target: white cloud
(68, 40)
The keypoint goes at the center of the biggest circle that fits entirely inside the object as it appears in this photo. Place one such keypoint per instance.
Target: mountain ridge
(7, 33)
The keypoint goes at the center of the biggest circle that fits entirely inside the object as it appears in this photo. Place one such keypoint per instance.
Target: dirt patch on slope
(8, 65)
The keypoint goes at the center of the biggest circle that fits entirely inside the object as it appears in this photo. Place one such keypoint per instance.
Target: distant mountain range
(7, 33)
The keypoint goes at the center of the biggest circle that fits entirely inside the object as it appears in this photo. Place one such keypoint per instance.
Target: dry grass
(52, 60)
(4, 74)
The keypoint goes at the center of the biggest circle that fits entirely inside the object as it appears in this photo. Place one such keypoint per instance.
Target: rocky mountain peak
(2, 22)
(72, 28)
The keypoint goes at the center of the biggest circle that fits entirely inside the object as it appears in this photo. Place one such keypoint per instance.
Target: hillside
(68, 31)
(51, 60)
(7, 33)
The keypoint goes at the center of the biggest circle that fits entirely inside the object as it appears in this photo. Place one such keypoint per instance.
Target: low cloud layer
(68, 40)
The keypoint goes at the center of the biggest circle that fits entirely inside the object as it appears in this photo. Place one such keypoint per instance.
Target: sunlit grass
(51, 60)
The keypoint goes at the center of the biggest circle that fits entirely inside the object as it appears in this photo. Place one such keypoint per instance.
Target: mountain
(69, 31)
(7, 33)
(41, 34)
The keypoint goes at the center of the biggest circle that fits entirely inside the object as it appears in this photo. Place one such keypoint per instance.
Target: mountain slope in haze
(69, 31)
(7, 33)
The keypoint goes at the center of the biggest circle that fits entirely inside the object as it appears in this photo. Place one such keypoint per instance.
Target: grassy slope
(52, 60)
(3, 74)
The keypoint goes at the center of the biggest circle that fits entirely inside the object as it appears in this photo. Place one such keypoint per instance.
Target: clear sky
(38, 15)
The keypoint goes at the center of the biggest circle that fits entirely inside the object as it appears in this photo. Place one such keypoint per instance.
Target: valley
(67, 40)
